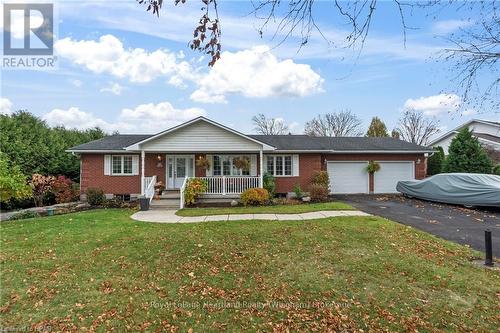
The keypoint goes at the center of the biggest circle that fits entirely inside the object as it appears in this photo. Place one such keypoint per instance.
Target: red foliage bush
(64, 190)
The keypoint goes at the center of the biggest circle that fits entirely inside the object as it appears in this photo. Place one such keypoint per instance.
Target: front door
(179, 167)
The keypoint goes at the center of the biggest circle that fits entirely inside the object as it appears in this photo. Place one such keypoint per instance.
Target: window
(279, 165)
(217, 166)
(121, 165)
(225, 165)
(270, 165)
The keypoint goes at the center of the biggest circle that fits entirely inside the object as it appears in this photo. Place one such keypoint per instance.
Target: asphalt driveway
(454, 223)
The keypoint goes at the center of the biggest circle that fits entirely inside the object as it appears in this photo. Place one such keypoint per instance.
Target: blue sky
(123, 69)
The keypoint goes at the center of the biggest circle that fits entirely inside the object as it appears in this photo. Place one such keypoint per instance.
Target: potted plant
(159, 188)
(242, 163)
(372, 167)
(202, 162)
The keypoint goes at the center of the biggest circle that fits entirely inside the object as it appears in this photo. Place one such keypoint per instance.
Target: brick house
(132, 164)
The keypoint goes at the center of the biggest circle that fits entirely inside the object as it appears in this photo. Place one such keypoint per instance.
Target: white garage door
(348, 177)
(390, 173)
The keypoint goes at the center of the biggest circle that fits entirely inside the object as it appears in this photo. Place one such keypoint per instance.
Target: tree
(37, 148)
(377, 128)
(473, 51)
(395, 134)
(435, 161)
(466, 154)
(13, 183)
(344, 123)
(269, 126)
(41, 186)
(415, 128)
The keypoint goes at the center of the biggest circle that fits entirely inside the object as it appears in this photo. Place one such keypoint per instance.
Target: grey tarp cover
(472, 189)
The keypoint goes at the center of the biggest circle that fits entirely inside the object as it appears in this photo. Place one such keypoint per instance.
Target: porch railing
(149, 187)
(230, 185)
(182, 189)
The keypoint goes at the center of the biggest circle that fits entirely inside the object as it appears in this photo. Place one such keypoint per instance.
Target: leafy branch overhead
(206, 35)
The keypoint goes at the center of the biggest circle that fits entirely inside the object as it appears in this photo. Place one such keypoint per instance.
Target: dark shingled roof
(281, 142)
(304, 142)
(112, 142)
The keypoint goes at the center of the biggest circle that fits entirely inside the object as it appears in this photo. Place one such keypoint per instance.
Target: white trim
(135, 146)
(367, 174)
(112, 173)
(353, 151)
(143, 155)
(483, 139)
(274, 165)
(100, 151)
(261, 164)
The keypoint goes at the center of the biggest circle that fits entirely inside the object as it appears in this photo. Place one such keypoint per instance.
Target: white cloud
(156, 117)
(74, 118)
(114, 88)
(77, 83)
(449, 26)
(145, 118)
(469, 112)
(108, 55)
(434, 105)
(256, 73)
(5, 106)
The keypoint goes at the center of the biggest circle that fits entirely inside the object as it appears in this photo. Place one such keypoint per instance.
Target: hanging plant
(242, 163)
(202, 162)
(372, 167)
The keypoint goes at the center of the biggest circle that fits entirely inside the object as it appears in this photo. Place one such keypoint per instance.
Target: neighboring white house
(487, 132)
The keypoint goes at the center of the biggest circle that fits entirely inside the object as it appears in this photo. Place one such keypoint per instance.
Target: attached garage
(348, 177)
(386, 179)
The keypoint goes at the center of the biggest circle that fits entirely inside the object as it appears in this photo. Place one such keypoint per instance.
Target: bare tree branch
(344, 123)
(414, 127)
(269, 126)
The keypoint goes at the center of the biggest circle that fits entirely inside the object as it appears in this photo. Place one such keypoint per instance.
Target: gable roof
(339, 144)
(135, 146)
(466, 124)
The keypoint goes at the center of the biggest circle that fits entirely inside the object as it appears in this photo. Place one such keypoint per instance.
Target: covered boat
(468, 189)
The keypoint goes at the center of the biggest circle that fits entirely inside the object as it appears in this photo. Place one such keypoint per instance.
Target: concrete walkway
(168, 216)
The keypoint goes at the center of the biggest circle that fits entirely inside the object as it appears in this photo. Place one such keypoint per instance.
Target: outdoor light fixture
(418, 160)
(159, 164)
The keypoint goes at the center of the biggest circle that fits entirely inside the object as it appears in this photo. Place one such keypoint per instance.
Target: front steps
(171, 199)
(168, 200)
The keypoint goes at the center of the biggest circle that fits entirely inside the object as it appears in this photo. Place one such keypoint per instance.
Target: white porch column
(143, 155)
(261, 162)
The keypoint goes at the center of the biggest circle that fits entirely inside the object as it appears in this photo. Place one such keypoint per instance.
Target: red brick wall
(308, 163)
(93, 176)
(152, 168)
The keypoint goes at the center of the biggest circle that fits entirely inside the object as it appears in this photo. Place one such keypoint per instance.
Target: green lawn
(101, 271)
(277, 209)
